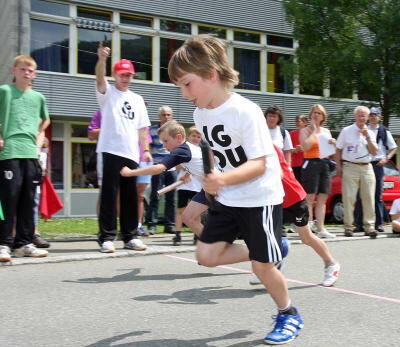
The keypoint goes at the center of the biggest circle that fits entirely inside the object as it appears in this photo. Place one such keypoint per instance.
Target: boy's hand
(147, 157)
(127, 172)
(103, 52)
(212, 183)
(186, 178)
(1, 143)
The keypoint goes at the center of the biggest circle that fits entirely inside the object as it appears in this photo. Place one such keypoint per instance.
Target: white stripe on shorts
(273, 249)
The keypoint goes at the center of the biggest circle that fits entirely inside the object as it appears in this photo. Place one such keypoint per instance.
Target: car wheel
(337, 210)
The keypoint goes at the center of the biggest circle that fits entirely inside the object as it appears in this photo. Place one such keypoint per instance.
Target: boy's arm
(40, 136)
(251, 169)
(148, 170)
(93, 135)
(103, 53)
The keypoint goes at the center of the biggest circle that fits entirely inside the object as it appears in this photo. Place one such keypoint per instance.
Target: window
(218, 32)
(139, 49)
(79, 130)
(246, 36)
(276, 82)
(130, 20)
(94, 14)
(83, 165)
(57, 164)
(49, 7)
(167, 49)
(279, 41)
(247, 62)
(50, 45)
(88, 41)
(176, 27)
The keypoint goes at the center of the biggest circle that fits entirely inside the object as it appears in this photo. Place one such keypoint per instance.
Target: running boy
(249, 190)
(182, 153)
(23, 120)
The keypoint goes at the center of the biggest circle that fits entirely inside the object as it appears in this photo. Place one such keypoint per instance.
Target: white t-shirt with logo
(123, 113)
(354, 145)
(237, 132)
(395, 208)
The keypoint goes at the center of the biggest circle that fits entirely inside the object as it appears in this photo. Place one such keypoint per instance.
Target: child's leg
(178, 219)
(274, 282)
(221, 253)
(319, 246)
(191, 216)
(396, 226)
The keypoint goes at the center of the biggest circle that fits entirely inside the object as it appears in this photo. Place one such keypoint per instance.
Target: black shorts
(315, 176)
(184, 196)
(200, 198)
(260, 228)
(296, 213)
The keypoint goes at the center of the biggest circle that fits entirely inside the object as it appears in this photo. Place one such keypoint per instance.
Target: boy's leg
(169, 213)
(10, 186)
(25, 225)
(192, 216)
(152, 210)
(221, 253)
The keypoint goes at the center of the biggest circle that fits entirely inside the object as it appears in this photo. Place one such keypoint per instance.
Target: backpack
(382, 135)
(283, 132)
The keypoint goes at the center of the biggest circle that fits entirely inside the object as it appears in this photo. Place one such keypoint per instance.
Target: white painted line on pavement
(378, 297)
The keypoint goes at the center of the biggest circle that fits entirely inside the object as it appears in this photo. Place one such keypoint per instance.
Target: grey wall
(260, 15)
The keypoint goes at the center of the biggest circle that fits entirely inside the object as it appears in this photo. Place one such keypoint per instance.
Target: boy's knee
(206, 259)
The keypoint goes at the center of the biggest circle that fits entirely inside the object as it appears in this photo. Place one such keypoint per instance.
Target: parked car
(391, 191)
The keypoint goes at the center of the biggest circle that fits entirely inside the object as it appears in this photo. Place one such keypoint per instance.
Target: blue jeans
(157, 182)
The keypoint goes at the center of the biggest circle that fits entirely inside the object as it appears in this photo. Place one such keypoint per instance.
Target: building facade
(63, 37)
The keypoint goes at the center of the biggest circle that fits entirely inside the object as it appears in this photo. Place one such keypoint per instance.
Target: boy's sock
(289, 309)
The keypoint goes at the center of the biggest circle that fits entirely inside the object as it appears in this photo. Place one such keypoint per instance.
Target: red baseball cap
(123, 66)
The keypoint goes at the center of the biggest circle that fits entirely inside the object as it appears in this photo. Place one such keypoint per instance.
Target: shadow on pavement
(170, 342)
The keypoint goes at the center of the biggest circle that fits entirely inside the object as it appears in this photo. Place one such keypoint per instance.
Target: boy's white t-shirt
(395, 208)
(237, 132)
(123, 113)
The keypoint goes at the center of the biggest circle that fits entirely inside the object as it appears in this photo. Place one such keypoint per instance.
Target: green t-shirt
(20, 116)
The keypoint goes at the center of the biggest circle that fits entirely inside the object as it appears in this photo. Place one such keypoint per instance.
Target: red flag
(50, 203)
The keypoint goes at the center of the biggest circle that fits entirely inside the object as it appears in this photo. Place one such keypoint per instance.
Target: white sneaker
(324, 234)
(331, 275)
(107, 247)
(30, 251)
(254, 280)
(5, 254)
(136, 245)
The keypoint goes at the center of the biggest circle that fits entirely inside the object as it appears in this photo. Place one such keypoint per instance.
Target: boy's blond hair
(200, 55)
(192, 130)
(25, 59)
(172, 128)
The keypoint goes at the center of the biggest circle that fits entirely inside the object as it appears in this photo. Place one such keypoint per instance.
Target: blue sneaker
(142, 231)
(287, 328)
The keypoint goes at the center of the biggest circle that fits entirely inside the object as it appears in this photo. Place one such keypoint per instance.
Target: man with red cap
(124, 124)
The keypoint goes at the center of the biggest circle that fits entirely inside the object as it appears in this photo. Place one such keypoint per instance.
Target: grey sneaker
(107, 247)
(5, 254)
(325, 234)
(135, 245)
(30, 251)
(331, 275)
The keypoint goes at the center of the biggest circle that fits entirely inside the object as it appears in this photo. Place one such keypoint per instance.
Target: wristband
(146, 150)
(368, 138)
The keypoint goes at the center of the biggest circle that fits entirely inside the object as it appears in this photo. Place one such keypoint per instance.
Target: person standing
(315, 174)
(387, 148)
(23, 120)
(159, 152)
(297, 153)
(355, 147)
(124, 123)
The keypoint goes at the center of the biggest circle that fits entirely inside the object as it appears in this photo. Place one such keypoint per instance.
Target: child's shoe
(177, 239)
(287, 328)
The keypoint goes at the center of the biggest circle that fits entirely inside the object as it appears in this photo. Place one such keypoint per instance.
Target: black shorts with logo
(260, 228)
(296, 213)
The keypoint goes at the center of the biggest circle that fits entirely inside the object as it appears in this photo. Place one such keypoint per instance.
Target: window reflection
(127, 19)
(49, 7)
(247, 62)
(87, 49)
(139, 49)
(83, 165)
(167, 49)
(50, 45)
(218, 32)
(57, 164)
(276, 82)
(174, 26)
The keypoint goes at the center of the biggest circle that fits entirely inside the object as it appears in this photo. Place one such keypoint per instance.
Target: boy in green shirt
(23, 120)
